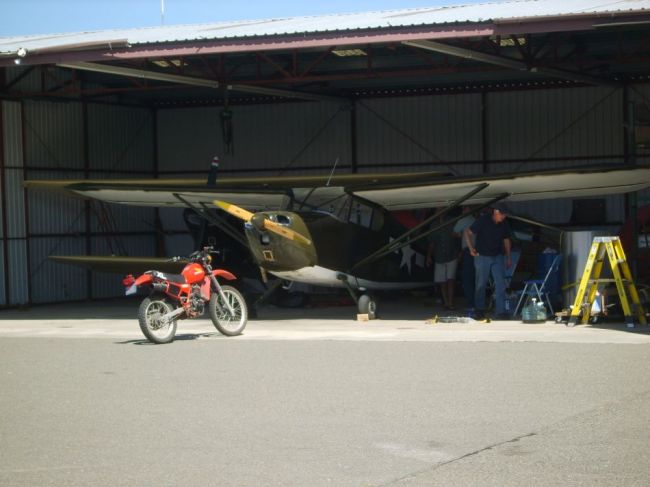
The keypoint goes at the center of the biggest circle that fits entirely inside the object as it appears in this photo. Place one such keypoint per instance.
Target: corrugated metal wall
(273, 136)
(640, 96)
(69, 140)
(550, 129)
(14, 209)
(497, 132)
(554, 125)
(112, 142)
(411, 133)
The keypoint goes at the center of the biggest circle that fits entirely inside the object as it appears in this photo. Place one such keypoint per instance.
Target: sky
(30, 17)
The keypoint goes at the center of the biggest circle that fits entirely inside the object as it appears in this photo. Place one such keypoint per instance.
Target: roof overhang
(121, 50)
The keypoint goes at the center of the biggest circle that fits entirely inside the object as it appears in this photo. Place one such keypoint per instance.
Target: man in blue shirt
(491, 251)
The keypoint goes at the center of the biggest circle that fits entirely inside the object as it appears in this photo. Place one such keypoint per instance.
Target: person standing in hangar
(488, 240)
(444, 249)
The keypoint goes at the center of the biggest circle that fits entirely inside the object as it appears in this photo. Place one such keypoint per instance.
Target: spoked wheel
(227, 322)
(149, 314)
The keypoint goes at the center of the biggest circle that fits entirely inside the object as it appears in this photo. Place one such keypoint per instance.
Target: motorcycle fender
(223, 273)
(143, 279)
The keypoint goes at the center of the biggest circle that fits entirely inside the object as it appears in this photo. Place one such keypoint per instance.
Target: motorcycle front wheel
(229, 324)
(151, 310)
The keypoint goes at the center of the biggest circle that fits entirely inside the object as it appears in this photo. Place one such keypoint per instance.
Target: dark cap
(501, 207)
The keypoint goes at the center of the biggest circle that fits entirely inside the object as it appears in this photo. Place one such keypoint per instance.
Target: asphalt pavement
(311, 398)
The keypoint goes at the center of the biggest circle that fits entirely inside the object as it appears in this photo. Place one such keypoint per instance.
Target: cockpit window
(281, 219)
(364, 215)
(336, 202)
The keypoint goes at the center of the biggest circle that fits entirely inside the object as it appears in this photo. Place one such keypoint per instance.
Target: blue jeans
(468, 277)
(485, 266)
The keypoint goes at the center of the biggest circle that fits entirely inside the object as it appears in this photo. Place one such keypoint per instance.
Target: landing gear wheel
(229, 324)
(151, 310)
(368, 305)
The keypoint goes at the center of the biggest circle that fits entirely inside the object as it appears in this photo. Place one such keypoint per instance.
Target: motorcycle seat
(175, 278)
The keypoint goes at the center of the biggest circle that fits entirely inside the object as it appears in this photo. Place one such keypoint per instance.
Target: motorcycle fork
(218, 289)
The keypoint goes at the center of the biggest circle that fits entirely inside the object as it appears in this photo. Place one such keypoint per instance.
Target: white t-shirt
(460, 227)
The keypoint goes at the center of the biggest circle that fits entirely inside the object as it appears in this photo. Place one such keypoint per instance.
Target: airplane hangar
(495, 88)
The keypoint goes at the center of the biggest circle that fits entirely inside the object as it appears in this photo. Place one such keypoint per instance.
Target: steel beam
(141, 74)
(202, 82)
(508, 62)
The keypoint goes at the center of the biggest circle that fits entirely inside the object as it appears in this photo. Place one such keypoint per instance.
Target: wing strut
(404, 239)
(220, 223)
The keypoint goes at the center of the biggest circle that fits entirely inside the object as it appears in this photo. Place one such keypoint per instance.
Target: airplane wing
(519, 187)
(393, 191)
(253, 193)
(122, 265)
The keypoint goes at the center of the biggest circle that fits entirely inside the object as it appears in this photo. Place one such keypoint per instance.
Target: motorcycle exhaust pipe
(159, 287)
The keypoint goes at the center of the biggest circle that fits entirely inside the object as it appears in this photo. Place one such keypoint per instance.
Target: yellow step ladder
(622, 277)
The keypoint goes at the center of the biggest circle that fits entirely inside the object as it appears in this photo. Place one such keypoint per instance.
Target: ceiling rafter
(272, 62)
(510, 63)
(200, 82)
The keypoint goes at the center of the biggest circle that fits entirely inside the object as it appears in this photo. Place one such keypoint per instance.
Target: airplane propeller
(261, 221)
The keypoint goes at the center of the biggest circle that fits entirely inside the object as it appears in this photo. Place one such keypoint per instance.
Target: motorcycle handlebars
(196, 255)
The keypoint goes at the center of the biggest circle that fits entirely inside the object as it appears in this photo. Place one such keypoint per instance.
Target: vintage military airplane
(346, 230)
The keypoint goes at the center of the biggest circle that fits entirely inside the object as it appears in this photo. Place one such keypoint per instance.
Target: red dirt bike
(185, 295)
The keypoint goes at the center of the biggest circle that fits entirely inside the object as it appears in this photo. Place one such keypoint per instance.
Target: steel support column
(353, 137)
(631, 199)
(26, 203)
(3, 198)
(87, 204)
(484, 134)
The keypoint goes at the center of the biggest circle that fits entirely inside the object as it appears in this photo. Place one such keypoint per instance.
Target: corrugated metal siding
(1, 205)
(54, 135)
(54, 213)
(108, 285)
(172, 219)
(120, 138)
(52, 281)
(400, 131)
(556, 124)
(18, 271)
(189, 137)
(14, 161)
(15, 203)
(31, 81)
(3, 300)
(640, 95)
(179, 245)
(265, 136)
(112, 218)
(558, 211)
(13, 133)
(37, 80)
(15, 215)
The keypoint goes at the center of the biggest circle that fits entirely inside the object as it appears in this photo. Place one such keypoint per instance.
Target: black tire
(222, 320)
(149, 313)
(367, 305)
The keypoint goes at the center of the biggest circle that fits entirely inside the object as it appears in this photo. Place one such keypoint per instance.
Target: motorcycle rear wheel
(149, 313)
(228, 324)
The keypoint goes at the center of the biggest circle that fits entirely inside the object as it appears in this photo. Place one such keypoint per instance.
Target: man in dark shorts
(491, 252)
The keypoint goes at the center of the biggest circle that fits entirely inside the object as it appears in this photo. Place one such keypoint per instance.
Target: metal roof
(497, 13)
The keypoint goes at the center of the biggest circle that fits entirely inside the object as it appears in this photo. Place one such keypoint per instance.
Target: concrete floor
(408, 319)
(309, 397)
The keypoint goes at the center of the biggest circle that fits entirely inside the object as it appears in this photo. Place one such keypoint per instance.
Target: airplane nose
(285, 245)
(258, 221)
